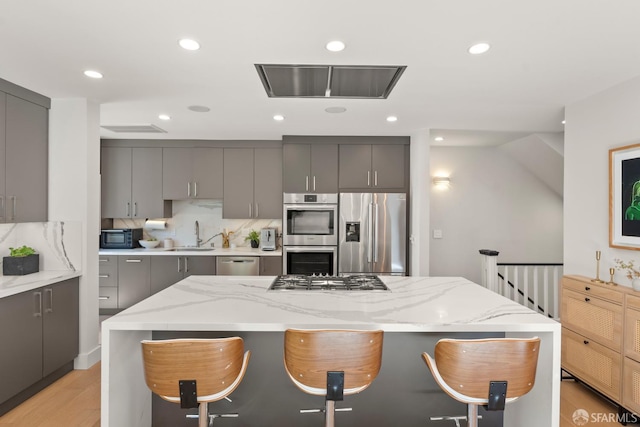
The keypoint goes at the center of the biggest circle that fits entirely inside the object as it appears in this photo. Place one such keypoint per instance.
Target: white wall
(492, 203)
(74, 195)
(594, 125)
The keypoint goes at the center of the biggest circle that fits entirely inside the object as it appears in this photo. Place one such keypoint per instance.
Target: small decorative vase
(635, 284)
(255, 243)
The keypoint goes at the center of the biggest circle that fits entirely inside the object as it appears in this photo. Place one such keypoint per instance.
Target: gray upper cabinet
(252, 183)
(24, 146)
(192, 173)
(310, 168)
(372, 167)
(132, 182)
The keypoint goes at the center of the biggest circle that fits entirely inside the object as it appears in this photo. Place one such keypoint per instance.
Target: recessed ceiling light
(438, 138)
(93, 74)
(164, 117)
(392, 119)
(199, 108)
(335, 110)
(479, 48)
(278, 117)
(189, 44)
(335, 46)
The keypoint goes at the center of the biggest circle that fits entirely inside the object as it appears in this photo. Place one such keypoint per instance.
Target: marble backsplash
(59, 243)
(208, 213)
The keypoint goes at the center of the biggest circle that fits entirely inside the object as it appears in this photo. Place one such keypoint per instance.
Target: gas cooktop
(328, 283)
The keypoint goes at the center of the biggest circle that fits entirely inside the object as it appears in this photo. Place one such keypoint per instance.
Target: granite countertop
(11, 285)
(184, 251)
(413, 304)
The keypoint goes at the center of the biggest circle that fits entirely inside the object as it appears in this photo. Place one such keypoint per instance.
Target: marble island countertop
(12, 285)
(192, 251)
(413, 304)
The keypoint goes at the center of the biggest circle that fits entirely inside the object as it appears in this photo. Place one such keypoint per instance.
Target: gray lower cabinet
(39, 331)
(252, 183)
(23, 147)
(270, 265)
(373, 167)
(134, 280)
(168, 270)
(310, 168)
(108, 281)
(192, 173)
(132, 182)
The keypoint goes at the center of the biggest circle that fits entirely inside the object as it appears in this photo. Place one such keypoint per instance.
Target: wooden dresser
(601, 338)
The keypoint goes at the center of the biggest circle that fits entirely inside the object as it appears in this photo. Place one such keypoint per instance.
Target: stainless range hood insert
(329, 81)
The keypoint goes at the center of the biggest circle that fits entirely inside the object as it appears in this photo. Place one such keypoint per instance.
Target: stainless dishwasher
(238, 266)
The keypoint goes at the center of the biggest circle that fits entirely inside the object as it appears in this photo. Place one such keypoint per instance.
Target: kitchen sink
(191, 249)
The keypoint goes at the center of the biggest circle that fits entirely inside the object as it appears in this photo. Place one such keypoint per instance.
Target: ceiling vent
(329, 81)
(134, 129)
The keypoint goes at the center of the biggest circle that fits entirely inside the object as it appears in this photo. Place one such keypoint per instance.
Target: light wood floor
(74, 401)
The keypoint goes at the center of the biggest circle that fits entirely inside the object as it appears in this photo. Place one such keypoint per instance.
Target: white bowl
(149, 243)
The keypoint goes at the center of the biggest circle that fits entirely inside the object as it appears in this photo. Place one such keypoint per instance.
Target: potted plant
(21, 261)
(630, 271)
(254, 237)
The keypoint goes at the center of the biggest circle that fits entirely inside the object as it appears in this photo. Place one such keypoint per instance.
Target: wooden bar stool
(194, 372)
(332, 363)
(488, 372)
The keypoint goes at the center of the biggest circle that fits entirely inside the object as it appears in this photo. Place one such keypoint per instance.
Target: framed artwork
(624, 197)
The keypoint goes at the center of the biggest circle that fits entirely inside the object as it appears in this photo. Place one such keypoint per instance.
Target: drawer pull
(104, 260)
(586, 342)
(587, 288)
(103, 298)
(133, 260)
(103, 276)
(587, 299)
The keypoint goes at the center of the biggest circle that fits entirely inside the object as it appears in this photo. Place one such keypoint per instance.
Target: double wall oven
(310, 234)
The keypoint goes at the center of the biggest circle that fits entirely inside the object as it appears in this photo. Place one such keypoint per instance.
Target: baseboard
(87, 360)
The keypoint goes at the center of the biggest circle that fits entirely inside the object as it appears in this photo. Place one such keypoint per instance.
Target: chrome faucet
(198, 239)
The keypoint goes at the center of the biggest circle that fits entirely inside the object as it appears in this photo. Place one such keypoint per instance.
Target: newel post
(490, 269)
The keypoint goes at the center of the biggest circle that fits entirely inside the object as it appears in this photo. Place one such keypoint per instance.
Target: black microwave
(120, 238)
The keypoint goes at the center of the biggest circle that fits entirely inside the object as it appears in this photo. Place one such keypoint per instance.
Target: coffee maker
(268, 239)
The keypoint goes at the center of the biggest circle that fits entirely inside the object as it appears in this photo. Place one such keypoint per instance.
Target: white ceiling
(545, 54)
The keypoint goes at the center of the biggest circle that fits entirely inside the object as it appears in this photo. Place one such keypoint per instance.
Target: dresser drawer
(108, 297)
(595, 318)
(597, 365)
(607, 292)
(632, 329)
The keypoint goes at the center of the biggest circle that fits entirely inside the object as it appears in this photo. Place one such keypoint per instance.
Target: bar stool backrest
(468, 366)
(217, 365)
(310, 354)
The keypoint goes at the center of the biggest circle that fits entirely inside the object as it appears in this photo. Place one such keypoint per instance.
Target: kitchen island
(414, 314)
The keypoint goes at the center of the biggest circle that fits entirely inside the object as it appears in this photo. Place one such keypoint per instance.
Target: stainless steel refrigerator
(373, 233)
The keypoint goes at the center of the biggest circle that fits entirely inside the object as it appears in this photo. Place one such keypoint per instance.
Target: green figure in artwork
(633, 211)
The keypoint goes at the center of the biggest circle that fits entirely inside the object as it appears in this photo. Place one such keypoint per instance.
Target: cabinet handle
(50, 292)
(586, 288)
(257, 210)
(314, 183)
(179, 269)
(38, 313)
(250, 210)
(586, 342)
(135, 209)
(587, 299)
(188, 189)
(103, 276)
(13, 211)
(368, 178)
(103, 298)
(186, 265)
(104, 260)
(195, 189)
(375, 178)
(133, 260)
(128, 208)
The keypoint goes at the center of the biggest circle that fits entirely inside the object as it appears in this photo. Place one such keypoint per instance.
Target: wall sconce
(441, 182)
